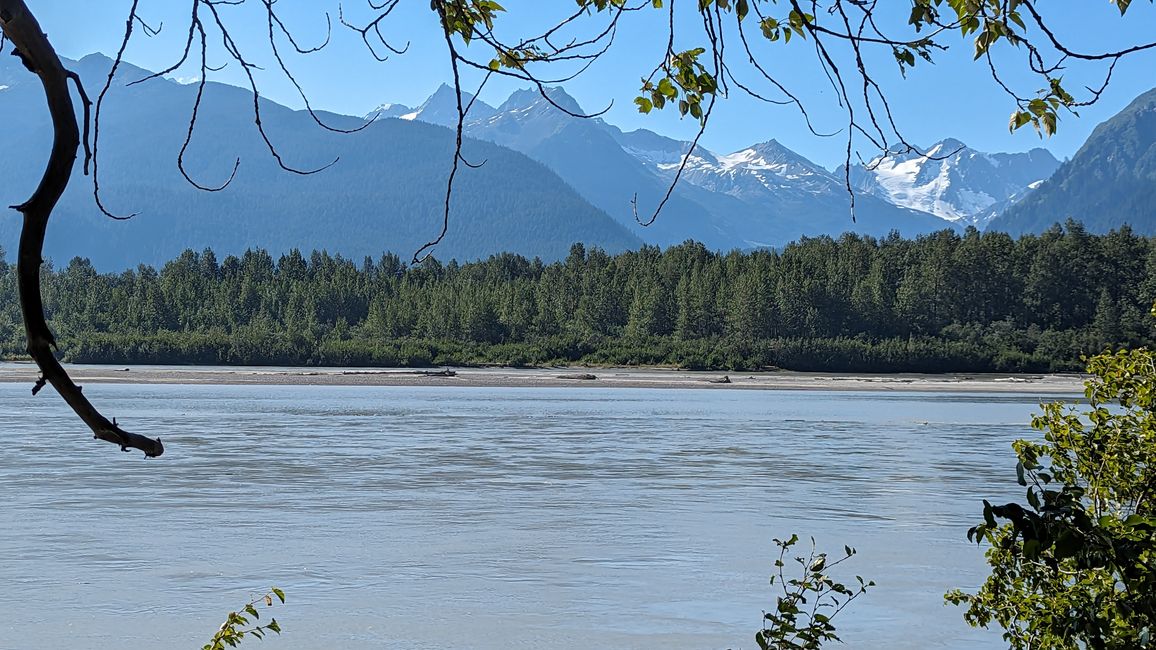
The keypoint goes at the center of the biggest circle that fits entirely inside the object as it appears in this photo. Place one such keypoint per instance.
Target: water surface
(491, 518)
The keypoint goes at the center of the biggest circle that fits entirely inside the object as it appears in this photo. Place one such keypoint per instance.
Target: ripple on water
(419, 517)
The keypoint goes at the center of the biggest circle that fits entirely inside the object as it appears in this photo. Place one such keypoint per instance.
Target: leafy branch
(242, 623)
(1076, 565)
(803, 615)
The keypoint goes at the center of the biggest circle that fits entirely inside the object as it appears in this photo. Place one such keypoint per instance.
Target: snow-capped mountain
(765, 194)
(586, 154)
(441, 108)
(790, 193)
(526, 119)
(389, 110)
(756, 173)
(954, 181)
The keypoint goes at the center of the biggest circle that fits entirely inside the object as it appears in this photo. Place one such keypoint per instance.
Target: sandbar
(580, 377)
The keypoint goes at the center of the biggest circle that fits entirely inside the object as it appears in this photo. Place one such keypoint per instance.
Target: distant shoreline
(582, 377)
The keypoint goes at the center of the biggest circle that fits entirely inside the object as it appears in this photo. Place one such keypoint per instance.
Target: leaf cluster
(804, 614)
(243, 623)
(1075, 567)
(463, 17)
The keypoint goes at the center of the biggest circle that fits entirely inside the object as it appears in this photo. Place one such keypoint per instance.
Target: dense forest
(945, 302)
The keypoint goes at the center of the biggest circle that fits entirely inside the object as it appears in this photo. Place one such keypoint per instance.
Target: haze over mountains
(549, 180)
(385, 193)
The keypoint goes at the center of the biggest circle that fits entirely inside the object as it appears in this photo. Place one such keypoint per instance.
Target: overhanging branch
(32, 46)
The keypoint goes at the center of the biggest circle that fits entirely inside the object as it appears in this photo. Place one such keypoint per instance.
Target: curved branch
(22, 29)
(130, 21)
(1063, 49)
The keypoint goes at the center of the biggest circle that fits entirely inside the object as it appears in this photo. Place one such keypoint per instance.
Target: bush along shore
(946, 302)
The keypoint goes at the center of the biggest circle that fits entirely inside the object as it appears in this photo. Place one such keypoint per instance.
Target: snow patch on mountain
(901, 186)
(953, 181)
(761, 170)
(389, 110)
(440, 108)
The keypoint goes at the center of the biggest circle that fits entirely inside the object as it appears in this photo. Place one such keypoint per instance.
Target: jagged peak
(99, 64)
(948, 146)
(770, 152)
(767, 145)
(445, 90)
(525, 98)
(445, 94)
(441, 107)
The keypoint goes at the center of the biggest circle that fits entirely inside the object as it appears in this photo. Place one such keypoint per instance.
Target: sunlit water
(491, 518)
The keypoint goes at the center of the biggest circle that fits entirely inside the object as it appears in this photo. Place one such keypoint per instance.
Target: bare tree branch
(29, 40)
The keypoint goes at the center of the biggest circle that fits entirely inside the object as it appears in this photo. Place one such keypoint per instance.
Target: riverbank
(551, 377)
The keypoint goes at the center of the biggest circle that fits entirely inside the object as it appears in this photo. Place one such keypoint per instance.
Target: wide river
(441, 517)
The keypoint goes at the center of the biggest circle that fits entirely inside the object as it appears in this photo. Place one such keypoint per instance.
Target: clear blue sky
(956, 97)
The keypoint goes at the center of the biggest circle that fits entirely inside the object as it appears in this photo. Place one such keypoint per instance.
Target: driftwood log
(585, 376)
(33, 48)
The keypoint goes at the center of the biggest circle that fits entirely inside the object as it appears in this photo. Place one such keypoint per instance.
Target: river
(441, 517)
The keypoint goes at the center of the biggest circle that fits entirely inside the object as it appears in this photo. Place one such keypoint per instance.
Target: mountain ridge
(953, 181)
(385, 193)
(589, 179)
(721, 202)
(1109, 182)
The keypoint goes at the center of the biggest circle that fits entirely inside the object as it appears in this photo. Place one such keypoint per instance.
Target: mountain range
(385, 192)
(764, 195)
(954, 181)
(548, 179)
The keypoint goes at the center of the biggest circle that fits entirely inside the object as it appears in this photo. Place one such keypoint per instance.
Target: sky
(956, 97)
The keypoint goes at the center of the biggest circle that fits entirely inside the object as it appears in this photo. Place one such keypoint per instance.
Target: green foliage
(241, 624)
(940, 303)
(463, 17)
(1075, 567)
(803, 616)
(986, 22)
(683, 78)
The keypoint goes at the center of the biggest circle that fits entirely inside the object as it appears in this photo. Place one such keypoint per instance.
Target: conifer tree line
(944, 302)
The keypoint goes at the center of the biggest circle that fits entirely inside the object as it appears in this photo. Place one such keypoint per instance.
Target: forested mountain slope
(385, 192)
(1109, 182)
